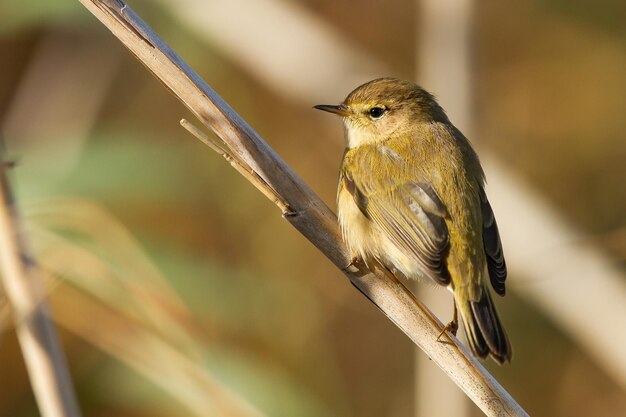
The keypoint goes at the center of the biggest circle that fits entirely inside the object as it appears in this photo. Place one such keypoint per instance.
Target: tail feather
(484, 331)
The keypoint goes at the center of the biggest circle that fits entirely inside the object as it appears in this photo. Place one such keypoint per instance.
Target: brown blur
(177, 287)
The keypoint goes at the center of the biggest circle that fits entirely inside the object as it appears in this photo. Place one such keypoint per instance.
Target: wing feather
(496, 265)
(412, 216)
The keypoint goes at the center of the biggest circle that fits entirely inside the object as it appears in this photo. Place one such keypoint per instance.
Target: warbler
(411, 199)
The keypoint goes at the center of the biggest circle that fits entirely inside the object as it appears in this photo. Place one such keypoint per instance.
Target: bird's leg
(451, 327)
(357, 266)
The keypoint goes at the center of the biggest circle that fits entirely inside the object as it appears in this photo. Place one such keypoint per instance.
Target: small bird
(411, 199)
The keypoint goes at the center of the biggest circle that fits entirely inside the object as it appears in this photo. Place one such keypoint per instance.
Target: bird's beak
(341, 109)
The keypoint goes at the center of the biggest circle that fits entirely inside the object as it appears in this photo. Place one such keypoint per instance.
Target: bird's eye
(376, 112)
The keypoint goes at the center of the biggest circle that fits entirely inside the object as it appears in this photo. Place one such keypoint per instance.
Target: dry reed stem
(303, 208)
(153, 334)
(150, 355)
(559, 284)
(45, 361)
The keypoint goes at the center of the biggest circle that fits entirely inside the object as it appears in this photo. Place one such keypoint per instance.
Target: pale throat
(357, 135)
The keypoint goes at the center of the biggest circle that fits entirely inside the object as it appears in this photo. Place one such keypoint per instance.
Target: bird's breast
(355, 227)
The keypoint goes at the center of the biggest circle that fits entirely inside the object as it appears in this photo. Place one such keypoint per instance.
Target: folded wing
(412, 216)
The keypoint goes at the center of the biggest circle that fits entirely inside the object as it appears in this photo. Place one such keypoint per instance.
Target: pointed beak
(341, 109)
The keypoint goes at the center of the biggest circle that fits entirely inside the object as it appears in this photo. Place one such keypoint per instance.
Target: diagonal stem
(308, 214)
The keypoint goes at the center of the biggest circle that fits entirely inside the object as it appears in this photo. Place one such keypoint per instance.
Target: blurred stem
(145, 351)
(443, 41)
(303, 208)
(45, 361)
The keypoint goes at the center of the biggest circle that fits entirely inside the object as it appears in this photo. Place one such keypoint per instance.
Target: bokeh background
(177, 287)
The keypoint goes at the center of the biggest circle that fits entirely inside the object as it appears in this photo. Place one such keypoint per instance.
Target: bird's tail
(485, 333)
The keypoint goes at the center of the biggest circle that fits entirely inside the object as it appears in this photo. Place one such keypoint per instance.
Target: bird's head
(382, 108)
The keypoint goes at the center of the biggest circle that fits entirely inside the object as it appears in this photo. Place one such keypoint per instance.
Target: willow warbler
(411, 198)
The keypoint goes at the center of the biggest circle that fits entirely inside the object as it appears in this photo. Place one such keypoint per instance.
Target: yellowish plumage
(411, 198)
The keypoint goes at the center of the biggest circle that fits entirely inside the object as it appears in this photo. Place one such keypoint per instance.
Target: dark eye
(376, 112)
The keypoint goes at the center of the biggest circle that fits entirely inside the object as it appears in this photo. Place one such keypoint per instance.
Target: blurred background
(177, 287)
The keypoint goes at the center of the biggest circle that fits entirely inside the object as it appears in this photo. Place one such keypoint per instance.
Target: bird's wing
(493, 247)
(410, 214)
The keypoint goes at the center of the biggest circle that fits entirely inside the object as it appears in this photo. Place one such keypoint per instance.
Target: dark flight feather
(496, 265)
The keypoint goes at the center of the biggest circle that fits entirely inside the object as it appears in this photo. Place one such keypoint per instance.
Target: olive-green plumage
(411, 198)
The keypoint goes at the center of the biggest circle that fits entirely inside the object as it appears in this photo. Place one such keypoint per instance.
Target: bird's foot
(451, 327)
(357, 266)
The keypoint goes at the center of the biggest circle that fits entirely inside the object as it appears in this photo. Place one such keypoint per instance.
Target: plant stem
(45, 361)
(302, 207)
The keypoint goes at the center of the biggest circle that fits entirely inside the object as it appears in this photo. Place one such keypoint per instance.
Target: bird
(411, 199)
